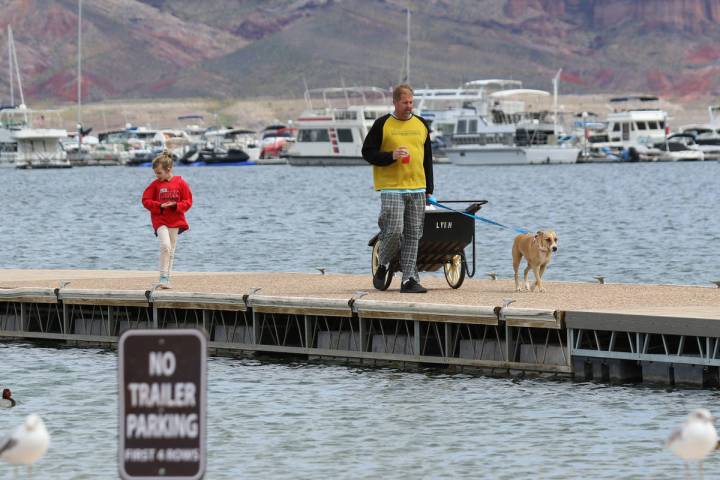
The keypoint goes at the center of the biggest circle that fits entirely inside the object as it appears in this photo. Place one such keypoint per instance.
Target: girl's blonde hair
(164, 161)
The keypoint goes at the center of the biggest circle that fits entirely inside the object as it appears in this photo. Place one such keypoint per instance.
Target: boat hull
(479, 155)
(325, 161)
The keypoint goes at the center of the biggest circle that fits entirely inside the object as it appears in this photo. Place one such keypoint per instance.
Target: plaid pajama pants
(401, 227)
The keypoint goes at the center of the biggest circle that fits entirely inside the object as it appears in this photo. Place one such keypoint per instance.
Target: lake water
(650, 223)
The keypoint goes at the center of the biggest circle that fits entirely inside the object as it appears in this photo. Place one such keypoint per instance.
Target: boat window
(661, 124)
(370, 115)
(640, 126)
(345, 115)
(472, 126)
(462, 126)
(652, 125)
(626, 131)
(313, 135)
(616, 127)
(344, 135)
(446, 129)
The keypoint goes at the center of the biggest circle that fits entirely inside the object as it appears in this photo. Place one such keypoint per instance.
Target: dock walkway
(618, 332)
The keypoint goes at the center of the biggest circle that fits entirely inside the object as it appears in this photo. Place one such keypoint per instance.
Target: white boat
(80, 153)
(225, 145)
(36, 145)
(333, 134)
(510, 154)
(26, 141)
(679, 147)
(503, 133)
(140, 149)
(8, 148)
(441, 107)
(634, 126)
(41, 148)
(707, 135)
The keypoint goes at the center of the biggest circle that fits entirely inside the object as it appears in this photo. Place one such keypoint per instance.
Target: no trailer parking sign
(163, 391)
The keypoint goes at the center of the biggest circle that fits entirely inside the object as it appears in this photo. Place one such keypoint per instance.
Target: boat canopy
(349, 95)
(520, 91)
(494, 82)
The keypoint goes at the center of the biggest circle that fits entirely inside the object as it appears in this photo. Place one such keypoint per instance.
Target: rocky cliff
(156, 48)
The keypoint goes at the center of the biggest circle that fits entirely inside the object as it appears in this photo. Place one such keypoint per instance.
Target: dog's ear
(539, 233)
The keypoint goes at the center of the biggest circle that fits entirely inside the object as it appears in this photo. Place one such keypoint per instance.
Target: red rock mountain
(163, 48)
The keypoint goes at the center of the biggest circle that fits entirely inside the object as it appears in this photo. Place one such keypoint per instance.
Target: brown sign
(163, 395)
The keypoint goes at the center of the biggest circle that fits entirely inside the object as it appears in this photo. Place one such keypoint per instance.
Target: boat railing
(337, 96)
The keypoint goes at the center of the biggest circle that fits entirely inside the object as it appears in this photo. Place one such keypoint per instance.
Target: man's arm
(371, 146)
(428, 163)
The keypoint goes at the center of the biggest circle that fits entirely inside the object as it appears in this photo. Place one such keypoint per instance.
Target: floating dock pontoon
(612, 332)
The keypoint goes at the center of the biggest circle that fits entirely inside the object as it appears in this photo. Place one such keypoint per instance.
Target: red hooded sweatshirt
(173, 190)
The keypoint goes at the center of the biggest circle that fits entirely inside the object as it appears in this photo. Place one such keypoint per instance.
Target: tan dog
(537, 250)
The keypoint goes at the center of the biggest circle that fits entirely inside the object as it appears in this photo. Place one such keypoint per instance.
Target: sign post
(162, 379)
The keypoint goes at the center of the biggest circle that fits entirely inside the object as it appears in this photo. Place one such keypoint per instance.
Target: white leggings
(168, 239)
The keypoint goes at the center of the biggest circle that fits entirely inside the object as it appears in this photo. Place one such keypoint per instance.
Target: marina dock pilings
(666, 334)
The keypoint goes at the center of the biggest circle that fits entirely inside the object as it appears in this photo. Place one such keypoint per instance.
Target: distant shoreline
(255, 113)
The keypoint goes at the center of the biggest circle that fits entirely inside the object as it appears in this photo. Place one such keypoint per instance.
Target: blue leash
(476, 217)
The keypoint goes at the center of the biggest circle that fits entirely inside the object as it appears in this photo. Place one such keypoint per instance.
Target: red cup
(405, 159)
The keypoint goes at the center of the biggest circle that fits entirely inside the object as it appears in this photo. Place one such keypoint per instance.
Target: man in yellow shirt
(398, 147)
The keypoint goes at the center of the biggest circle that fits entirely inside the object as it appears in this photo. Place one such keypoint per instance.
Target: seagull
(492, 275)
(26, 444)
(254, 290)
(64, 283)
(7, 401)
(600, 279)
(695, 439)
(321, 270)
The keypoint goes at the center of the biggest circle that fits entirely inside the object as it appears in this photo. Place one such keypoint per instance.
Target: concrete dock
(611, 332)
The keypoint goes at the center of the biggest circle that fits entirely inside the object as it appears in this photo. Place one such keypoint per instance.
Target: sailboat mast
(79, 80)
(10, 67)
(79, 68)
(16, 65)
(556, 80)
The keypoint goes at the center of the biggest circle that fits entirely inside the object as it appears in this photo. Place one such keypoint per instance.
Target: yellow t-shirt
(411, 134)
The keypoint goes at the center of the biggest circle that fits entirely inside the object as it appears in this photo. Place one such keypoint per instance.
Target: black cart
(446, 234)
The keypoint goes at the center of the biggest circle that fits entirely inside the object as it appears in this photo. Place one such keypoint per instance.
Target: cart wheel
(455, 271)
(376, 261)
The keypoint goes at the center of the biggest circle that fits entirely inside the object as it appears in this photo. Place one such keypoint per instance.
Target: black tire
(455, 270)
(375, 261)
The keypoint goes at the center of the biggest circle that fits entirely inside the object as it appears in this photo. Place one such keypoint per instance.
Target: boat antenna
(556, 81)
(308, 99)
(407, 51)
(345, 93)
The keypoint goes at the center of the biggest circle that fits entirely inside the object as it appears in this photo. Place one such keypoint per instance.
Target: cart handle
(481, 202)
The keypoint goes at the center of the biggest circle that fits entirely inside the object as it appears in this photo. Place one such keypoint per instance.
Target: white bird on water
(26, 444)
(695, 439)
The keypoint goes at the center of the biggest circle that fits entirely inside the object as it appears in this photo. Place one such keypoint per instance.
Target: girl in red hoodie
(168, 198)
